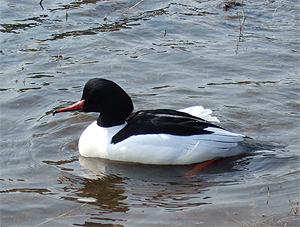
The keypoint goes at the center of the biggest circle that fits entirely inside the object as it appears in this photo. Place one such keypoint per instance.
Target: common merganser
(161, 136)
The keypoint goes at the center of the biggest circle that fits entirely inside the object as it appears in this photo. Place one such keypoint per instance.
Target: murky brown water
(165, 54)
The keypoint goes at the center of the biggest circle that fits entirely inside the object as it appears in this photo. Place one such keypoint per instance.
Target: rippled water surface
(165, 54)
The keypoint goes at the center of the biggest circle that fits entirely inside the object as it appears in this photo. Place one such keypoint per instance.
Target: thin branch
(132, 6)
(61, 215)
(268, 195)
(241, 26)
(41, 4)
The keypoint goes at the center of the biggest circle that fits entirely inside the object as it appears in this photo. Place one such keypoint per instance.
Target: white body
(161, 149)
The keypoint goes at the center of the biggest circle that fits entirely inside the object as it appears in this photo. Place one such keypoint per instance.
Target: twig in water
(268, 194)
(67, 15)
(296, 207)
(105, 17)
(61, 215)
(241, 26)
(296, 212)
(244, 16)
(132, 6)
(41, 4)
(58, 56)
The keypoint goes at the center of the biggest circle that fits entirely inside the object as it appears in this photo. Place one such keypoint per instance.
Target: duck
(159, 136)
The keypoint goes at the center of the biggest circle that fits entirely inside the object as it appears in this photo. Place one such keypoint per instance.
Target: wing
(163, 121)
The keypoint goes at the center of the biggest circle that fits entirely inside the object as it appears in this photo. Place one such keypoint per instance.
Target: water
(165, 54)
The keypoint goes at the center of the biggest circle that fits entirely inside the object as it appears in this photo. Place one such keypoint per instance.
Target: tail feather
(250, 145)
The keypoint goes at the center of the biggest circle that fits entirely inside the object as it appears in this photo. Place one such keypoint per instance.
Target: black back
(162, 121)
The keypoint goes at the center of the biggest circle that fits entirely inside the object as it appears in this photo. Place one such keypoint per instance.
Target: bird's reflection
(116, 188)
(96, 168)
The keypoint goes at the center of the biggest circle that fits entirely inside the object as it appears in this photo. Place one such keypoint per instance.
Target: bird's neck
(110, 120)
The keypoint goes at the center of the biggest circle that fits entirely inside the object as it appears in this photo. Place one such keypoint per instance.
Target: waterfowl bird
(160, 136)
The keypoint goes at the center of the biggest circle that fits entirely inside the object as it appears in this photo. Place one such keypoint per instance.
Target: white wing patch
(199, 111)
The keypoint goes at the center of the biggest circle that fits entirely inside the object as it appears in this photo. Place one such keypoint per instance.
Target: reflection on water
(107, 193)
(98, 168)
(126, 188)
(166, 55)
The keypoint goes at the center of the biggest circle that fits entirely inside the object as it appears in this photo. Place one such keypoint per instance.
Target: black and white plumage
(162, 136)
